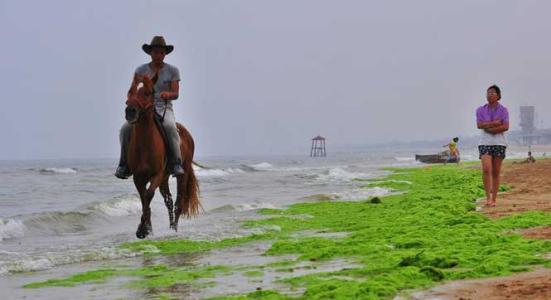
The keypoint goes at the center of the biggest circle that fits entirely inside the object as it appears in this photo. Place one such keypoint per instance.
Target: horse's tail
(189, 186)
(200, 165)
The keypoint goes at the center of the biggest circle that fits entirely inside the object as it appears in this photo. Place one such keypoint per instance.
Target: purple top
(485, 113)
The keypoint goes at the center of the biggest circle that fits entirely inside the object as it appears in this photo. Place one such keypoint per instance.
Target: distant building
(528, 132)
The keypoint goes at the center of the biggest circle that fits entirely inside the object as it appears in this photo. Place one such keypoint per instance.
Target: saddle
(159, 121)
(159, 124)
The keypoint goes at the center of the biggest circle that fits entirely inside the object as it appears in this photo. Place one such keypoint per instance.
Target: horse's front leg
(143, 229)
(165, 191)
(145, 225)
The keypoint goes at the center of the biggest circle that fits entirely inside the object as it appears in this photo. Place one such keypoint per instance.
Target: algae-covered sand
(429, 233)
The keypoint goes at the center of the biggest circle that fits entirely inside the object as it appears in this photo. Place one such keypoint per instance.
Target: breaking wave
(11, 228)
(125, 205)
(205, 173)
(340, 174)
(57, 170)
(58, 222)
(351, 195)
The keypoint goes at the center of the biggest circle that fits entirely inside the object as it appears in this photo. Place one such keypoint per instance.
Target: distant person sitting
(454, 152)
(530, 159)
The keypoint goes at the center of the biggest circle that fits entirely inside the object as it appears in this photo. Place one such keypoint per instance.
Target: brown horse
(147, 159)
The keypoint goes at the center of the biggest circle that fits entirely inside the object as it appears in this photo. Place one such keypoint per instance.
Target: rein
(154, 79)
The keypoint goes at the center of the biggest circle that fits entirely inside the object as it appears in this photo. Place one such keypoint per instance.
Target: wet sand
(534, 285)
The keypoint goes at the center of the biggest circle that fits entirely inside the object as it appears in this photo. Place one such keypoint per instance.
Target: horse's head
(140, 100)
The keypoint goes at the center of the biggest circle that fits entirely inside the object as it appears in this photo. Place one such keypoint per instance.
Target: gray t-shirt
(167, 74)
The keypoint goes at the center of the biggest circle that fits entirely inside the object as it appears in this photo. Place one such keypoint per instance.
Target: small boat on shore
(440, 158)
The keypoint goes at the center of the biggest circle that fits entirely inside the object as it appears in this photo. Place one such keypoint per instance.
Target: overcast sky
(264, 77)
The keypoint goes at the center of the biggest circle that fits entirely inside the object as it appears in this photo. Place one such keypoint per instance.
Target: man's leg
(175, 159)
(123, 172)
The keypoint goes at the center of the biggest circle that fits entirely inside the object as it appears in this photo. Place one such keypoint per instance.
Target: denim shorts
(493, 150)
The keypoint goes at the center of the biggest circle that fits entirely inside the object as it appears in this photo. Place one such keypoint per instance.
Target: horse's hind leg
(165, 191)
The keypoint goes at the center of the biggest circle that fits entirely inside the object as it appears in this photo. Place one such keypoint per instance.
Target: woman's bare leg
(487, 176)
(496, 170)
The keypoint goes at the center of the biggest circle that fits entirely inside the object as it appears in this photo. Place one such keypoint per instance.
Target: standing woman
(493, 120)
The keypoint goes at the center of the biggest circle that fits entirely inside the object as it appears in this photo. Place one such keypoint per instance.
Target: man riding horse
(166, 79)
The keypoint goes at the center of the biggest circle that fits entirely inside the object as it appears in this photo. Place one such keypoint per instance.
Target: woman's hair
(497, 89)
(456, 139)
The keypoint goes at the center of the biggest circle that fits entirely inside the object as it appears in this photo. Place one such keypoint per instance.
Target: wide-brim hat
(157, 41)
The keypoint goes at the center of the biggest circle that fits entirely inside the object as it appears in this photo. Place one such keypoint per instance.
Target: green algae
(254, 273)
(415, 239)
(157, 276)
(96, 276)
(178, 246)
(174, 276)
(265, 295)
(429, 233)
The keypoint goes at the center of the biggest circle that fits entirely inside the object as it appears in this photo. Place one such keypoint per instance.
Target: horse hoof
(141, 234)
(173, 226)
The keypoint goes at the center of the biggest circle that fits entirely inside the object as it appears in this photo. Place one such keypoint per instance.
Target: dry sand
(531, 189)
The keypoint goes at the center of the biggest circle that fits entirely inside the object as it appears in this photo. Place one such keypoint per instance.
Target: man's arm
(174, 91)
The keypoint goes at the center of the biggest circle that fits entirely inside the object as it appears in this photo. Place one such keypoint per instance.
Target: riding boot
(176, 167)
(123, 172)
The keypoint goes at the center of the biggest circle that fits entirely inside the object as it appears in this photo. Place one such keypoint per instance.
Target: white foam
(121, 206)
(362, 194)
(263, 166)
(401, 158)
(11, 228)
(253, 206)
(58, 170)
(217, 172)
(25, 263)
(392, 180)
(340, 174)
(243, 207)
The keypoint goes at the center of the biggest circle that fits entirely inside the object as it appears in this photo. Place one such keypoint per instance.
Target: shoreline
(309, 233)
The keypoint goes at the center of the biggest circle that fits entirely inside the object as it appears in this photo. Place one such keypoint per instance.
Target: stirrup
(177, 170)
(123, 172)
